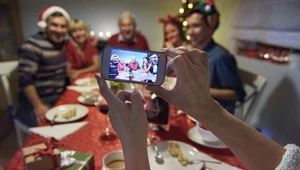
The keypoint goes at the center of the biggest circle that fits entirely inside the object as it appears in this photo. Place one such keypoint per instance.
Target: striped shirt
(42, 64)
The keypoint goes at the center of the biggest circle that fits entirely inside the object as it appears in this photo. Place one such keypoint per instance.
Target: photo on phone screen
(134, 66)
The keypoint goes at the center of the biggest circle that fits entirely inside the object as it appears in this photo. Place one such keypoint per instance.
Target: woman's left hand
(128, 120)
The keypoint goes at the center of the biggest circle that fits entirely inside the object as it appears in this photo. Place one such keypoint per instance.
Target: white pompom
(42, 25)
(207, 8)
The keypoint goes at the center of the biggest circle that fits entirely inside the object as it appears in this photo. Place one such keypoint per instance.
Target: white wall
(278, 111)
(101, 15)
(223, 34)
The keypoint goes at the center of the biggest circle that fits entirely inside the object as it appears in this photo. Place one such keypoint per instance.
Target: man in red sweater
(128, 36)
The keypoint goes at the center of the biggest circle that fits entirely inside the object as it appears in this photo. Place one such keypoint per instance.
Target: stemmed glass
(108, 134)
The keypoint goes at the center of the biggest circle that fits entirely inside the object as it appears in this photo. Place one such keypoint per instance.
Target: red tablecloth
(87, 139)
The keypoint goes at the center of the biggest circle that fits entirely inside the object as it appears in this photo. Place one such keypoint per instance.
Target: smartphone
(133, 66)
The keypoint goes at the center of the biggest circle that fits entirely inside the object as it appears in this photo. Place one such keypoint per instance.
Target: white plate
(171, 162)
(81, 111)
(85, 82)
(81, 100)
(195, 136)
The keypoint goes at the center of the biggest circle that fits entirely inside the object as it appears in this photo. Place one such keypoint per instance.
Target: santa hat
(47, 11)
(208, 8)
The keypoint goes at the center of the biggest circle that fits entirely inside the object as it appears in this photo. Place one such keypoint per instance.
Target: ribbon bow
(51, 144)
(68, 160)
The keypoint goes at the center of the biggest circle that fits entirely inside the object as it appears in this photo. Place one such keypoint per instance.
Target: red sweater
(139, 44)
(76, 60)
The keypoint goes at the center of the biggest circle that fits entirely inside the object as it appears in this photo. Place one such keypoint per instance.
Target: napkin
(58, 131)
(82, 89)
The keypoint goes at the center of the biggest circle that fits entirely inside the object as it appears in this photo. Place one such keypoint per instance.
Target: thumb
(159, 91)
(136, 101)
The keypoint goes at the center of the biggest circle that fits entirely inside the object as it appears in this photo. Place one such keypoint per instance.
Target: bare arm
(224, 94)
(253, 149)
(149, 67)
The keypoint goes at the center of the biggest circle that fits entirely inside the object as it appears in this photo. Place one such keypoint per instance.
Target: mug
(111, 157)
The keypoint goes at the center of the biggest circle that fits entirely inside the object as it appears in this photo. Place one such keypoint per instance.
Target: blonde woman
(82, 56)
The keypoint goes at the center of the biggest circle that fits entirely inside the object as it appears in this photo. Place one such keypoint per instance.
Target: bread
(69, 114)
(175, 151)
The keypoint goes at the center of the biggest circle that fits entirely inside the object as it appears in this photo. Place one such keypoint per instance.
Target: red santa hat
(47, 11)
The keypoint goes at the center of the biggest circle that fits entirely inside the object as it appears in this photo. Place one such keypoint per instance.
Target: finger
(172, 52)
(126, 96)
(160, 91)
(136, 102)
(190, 57)
(179, 66)
(184, 48)
(105, 90)
(197, 56)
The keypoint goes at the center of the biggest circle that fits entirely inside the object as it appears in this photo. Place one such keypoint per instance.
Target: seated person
(146, 66)
(154, 63)
(128, 36)
(225, 82)
(121, 65)
(133, 64)
(173, 34)
(42, 66)
(82, 56)
(113, 66)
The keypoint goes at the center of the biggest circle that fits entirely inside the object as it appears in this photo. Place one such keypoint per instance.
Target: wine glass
(108, 134)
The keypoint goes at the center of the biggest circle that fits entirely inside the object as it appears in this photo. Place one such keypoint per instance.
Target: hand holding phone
(133, 66)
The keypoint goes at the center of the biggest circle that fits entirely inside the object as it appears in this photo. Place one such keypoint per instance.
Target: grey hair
(127, 14)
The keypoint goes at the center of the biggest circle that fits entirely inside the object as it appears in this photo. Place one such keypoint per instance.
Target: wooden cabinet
(10, 30)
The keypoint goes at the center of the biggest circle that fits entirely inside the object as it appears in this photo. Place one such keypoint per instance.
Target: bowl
(207, 135)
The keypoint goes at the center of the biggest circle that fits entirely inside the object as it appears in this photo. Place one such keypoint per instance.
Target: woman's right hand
(191, 93)
(168, 44)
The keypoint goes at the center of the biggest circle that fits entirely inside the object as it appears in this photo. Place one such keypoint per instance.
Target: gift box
(42, 156)
(73, 160)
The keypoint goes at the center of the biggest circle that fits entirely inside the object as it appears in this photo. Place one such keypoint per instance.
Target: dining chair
(6, 70)
(254, 85)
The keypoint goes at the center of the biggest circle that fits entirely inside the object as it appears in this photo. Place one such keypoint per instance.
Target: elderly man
(128, 36)
(133, 64)
(42, 66)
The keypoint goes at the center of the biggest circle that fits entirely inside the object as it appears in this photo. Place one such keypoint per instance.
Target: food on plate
(90, 97)
(69, 114)
(175, 151)
(93, 81)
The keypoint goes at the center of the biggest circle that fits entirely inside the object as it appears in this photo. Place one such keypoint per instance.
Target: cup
(113, 161)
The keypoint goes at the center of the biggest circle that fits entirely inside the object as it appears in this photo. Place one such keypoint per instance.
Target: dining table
(87, 139)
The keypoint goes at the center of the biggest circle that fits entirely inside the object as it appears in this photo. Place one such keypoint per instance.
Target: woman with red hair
(173, 34)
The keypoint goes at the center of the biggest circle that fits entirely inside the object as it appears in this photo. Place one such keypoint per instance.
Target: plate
(81, 100)
(171, 162)
(91, 81)
(195, 136)
(81, 111)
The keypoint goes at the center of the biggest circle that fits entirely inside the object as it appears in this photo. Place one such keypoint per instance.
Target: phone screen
(133, 65)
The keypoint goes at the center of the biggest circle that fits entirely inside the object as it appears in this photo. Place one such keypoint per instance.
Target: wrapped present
(42, 156)
(73, 160)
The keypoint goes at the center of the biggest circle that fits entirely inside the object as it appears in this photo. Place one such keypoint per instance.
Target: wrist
(37, 104)
(213, 110)
(134, 153)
